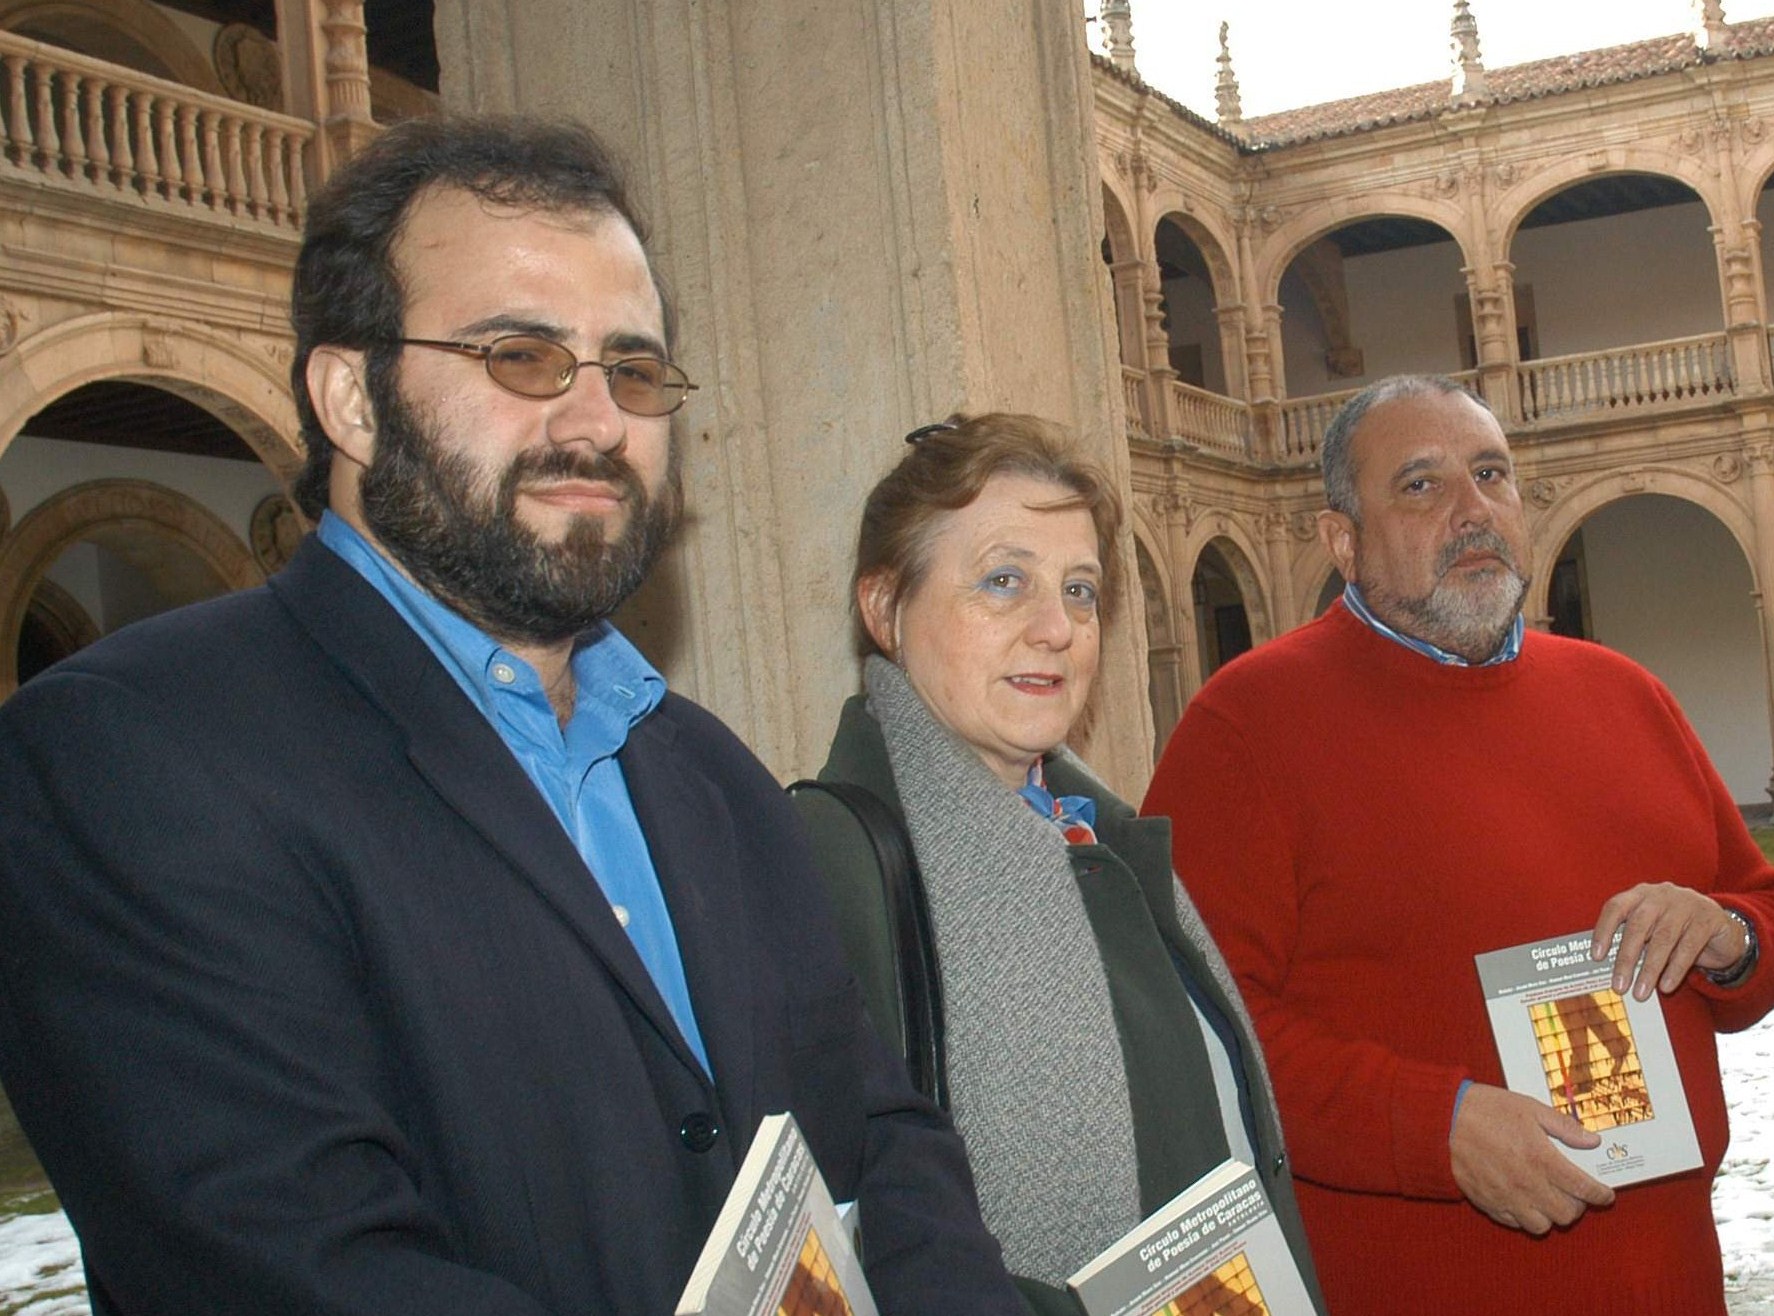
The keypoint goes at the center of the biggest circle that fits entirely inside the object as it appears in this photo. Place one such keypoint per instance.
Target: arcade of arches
(1592, 260)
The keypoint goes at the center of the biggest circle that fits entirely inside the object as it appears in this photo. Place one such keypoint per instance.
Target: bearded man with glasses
(420, 953)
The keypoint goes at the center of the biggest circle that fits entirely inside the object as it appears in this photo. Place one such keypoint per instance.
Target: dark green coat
(1129, 895)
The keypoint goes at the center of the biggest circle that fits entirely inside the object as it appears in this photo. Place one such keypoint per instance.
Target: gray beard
(1470, 619)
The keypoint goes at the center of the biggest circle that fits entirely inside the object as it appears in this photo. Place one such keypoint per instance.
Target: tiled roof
(1541, 77)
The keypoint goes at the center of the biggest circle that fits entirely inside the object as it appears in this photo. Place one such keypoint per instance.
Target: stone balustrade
(74, 122)
(1645, 376)
(1133, 392)
(1210, 420)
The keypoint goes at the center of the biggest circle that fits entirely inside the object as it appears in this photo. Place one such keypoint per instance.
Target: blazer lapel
(690, 832)
(463, 758)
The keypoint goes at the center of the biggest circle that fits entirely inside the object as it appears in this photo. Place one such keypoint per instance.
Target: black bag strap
(916, 971)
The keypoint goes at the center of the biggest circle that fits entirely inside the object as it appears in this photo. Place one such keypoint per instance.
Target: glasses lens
(647, 386)
(533, 367)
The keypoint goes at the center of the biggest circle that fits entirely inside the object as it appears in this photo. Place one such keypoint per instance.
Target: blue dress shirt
(574, 766)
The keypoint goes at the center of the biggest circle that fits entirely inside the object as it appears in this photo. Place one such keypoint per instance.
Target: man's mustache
(539, 465)
(1475, 541)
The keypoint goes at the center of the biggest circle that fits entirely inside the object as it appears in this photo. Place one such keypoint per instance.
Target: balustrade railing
(1303, 422)
(1211, 420)
(76, 122)
(1133, 393)
(1626, 378)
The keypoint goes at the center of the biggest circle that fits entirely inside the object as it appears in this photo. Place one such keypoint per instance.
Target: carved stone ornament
(1635, 481)
(276, 529)
(9, 326)
(248, 66)
(282, 354)
(1447, 183)
(1303, 526)
(1752, 131)
(1727, 467)
(1690, 140)
(1506, 174)
(157, 349)
(1270, 217)
(1542, 493)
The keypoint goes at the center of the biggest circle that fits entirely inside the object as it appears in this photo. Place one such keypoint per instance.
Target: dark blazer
(1153, 961)
(309, 1005)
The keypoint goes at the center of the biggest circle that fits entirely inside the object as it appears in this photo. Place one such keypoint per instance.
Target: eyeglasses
(534, 367)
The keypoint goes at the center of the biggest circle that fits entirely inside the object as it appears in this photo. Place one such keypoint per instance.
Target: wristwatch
(1752, 951)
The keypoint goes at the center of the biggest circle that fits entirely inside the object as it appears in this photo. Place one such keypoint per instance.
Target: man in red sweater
(1364, 804)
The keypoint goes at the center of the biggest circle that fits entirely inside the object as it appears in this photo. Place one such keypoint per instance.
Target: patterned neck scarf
(1074, 815)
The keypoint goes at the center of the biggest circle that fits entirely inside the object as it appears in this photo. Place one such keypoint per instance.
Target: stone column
(1759, 460)
(1493, 333)
(348, 122)
(873, 213)
(301, 46)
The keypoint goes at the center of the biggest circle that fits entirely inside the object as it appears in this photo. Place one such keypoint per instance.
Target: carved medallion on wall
(1542, 493)
(276, 529)
(248, 66)
(9, 326)
(1727, 467)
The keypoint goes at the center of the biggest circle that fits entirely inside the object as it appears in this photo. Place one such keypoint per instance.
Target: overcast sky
(1288, 53)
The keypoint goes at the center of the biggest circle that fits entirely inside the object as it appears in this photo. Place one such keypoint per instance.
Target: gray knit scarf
(1036, 1080)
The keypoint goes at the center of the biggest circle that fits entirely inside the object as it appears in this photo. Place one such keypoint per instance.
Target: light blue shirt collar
(615, 686)
(1507, 652)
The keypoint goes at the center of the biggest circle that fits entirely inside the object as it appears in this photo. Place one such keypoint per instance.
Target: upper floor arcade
(1584, 240)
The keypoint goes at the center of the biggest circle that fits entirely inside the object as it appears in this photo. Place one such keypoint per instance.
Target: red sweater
(1357, 822)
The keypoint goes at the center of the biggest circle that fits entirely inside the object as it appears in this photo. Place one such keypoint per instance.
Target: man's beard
(1470, 618)
(455, 530)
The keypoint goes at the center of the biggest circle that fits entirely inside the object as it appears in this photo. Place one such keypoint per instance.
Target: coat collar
(461, 756)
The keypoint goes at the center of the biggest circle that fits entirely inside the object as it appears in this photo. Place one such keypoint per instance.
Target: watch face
(277, 527)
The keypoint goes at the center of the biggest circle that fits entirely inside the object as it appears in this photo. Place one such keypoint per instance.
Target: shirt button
(621, 914)
(504, 673)
(699, 1131)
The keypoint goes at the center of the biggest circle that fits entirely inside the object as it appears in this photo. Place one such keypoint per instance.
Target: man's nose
(586, 413)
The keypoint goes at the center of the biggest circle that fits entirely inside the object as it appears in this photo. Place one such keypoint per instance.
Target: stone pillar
(348, 122)
(1759, 459)
(301, 47)
(1278, 547)
(872, 213)
(1740, 287)
(1182, 607)
(1159, 374)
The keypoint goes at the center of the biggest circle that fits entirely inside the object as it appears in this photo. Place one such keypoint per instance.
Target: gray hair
(1334, 450)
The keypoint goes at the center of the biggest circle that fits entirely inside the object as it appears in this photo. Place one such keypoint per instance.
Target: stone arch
(1164, 676)
(1245, 560)
(1561, 519)
(1118, 226)
(132, 33)
(1213, 245)
(123, 513)
(1314, 574)
(1293, 235)
(1661, 576)
(1515, 204)
(246, 390)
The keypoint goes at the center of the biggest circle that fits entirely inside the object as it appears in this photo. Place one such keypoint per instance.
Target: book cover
(1215, 1249)
(778, 1248)
(1567, 1038)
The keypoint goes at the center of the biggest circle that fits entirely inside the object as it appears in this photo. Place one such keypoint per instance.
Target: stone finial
(1225, 88)
(1469, 80)
(1709, 24)
(1117, 16)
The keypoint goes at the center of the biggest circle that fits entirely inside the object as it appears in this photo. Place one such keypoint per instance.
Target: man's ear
(874, 600)
(1336, 531)
(338, 388)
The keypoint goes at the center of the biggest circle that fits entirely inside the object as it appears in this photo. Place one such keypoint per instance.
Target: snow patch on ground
(1743, 1194)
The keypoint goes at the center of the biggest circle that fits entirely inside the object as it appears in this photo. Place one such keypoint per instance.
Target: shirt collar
(1507, 652)
(613, 682)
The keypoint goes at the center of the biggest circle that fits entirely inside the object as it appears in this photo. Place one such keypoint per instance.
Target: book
(1214, 1248)
(1567, 1038)
(778, 1247)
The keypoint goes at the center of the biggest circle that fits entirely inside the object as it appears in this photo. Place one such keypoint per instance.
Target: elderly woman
(1098, 1059)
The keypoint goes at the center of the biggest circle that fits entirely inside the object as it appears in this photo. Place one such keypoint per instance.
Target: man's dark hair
(347, 291)
(1334, 451)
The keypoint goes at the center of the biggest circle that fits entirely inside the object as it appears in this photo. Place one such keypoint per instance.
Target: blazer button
(699, 1131)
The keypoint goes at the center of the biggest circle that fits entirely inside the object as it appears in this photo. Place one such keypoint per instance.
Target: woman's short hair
(944, 469)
